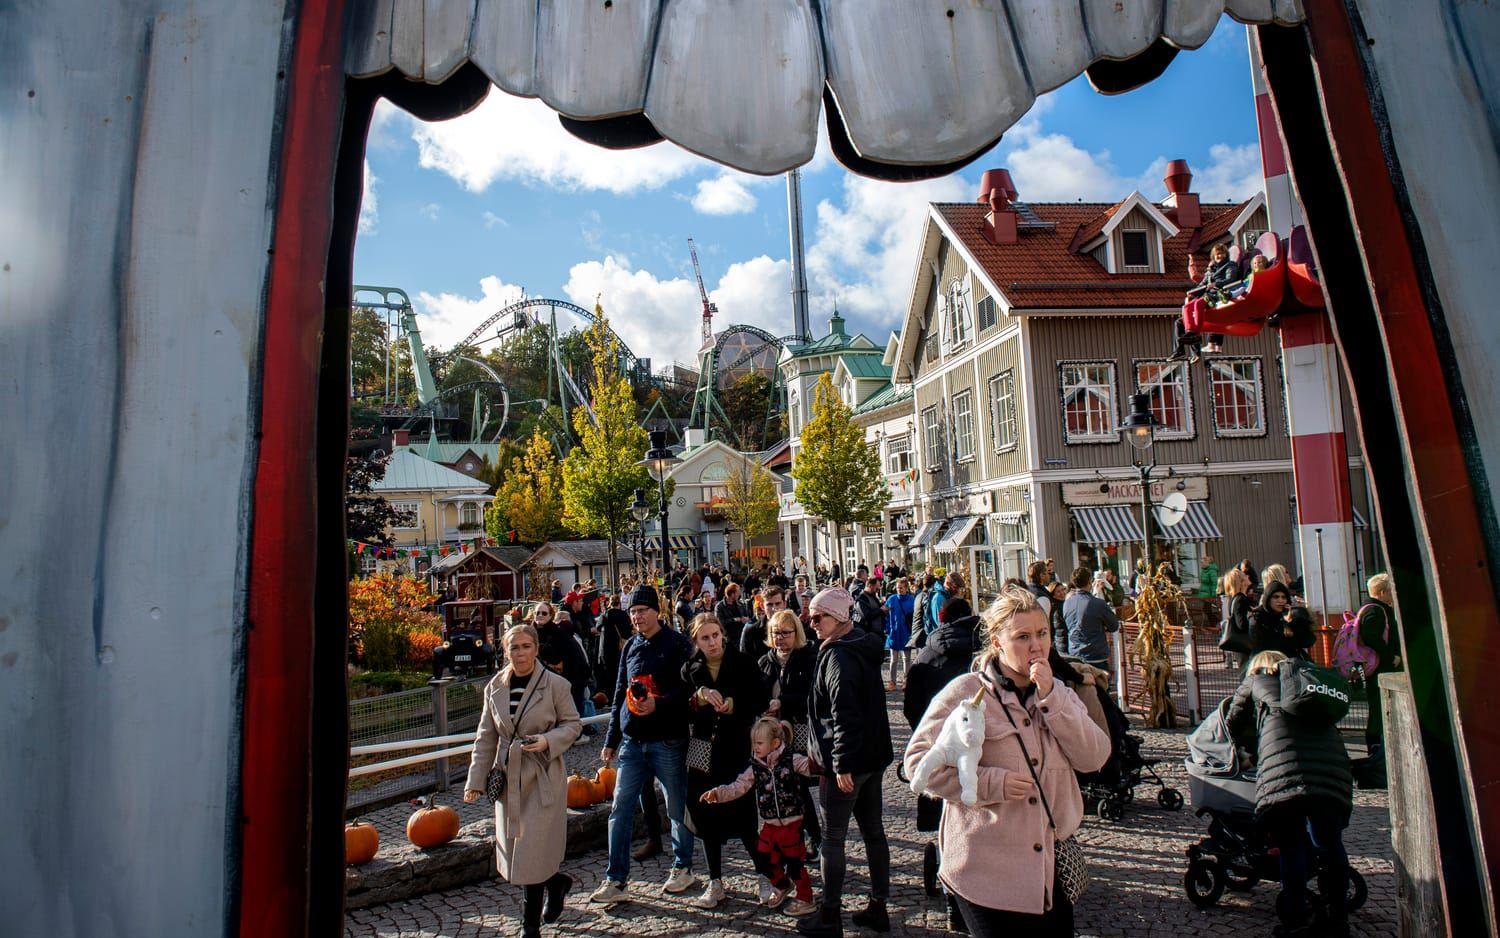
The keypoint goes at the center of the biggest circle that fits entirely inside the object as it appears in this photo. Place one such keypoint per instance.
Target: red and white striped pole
(1320, 455)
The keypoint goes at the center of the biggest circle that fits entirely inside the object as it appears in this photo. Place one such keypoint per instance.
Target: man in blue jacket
(648, 730)
(1087, 618)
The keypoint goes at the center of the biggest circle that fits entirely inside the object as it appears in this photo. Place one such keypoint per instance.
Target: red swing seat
(1246, 314)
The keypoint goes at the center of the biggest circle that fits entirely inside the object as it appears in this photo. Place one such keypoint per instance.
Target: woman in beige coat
(998, 854)
(528, 722)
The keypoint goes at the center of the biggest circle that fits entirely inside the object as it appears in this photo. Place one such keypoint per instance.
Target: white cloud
(491, 220)
(383, 123)
(520, 139)
(1052, 168)
(445, 318)
(864, 250)
(430, 211)
(725, 194)
(369, 208)
(1233, 175)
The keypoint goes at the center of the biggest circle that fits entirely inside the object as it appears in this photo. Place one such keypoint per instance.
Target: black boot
(825, 922)
(873, 916)
(531, 911)
(557, 892)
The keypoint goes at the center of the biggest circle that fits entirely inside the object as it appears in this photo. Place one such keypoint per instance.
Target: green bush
(369, 683)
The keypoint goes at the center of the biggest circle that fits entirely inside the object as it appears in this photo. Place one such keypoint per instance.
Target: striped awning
(1009, 517)
(956, 533)
(1196, 525)
(1359, 520)
(1102, 525)
(677, 542)
(926, 533)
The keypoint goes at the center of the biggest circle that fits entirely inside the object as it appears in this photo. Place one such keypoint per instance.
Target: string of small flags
(381, 552)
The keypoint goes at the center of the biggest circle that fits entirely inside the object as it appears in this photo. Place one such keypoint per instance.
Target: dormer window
(1135, 250)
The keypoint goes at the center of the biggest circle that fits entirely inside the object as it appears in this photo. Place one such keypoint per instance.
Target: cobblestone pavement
(1136, 865)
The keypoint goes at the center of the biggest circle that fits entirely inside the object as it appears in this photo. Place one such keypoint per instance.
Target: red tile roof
(1042, 272)
(1092, 230)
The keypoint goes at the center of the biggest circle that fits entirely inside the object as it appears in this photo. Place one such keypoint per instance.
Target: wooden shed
(486, 573)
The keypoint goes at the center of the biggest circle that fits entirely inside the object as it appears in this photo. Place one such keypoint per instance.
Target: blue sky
(465, 214)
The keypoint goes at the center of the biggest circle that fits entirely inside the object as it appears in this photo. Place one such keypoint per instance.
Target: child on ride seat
(1220, 278)
(779, 804)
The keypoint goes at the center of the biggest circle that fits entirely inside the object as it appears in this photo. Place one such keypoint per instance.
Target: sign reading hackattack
(1128, 491)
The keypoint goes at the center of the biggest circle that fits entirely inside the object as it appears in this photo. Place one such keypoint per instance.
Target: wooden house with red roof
(1029, 326)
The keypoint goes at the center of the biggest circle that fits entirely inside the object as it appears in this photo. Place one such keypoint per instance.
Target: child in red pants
(779, 804)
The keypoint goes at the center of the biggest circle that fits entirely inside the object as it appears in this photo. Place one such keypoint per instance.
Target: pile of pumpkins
(431, 825)
(584, 792)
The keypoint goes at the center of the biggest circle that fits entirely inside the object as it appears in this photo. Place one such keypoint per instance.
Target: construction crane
(708, 308)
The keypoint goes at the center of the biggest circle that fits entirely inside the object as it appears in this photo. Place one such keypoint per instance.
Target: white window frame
(1005, 426)
(932, 438)
(412, 505)
(367, 563)
(1253, 383)
(899, 457)
(464, 508)
(1144, 268)
(963, 426)
(1180, 369)
(795, 427)
(1110, 432)
(959, 327)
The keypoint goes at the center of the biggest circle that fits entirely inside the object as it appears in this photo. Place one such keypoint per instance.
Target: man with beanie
(648, 731)
(852, 737)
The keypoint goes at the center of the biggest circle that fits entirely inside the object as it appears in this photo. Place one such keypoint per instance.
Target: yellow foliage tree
(750, 499)
(528, 506)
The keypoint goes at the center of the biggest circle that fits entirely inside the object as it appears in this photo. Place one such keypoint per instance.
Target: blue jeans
(637, 763)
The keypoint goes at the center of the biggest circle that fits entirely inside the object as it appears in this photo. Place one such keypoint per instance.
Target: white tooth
(1251, 11)
(916, 85)
(1052, 39)
(406, 36)
(503, 43)
(1187, 24)
(445, 37)
(592, 60)
(370, 39)
(753, 105)
(1120, 30)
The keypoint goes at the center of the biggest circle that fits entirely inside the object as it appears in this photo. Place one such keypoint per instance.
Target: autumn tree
(385, 612)
(751, 500)
(601, 473)
(838, 475)
(530, 498)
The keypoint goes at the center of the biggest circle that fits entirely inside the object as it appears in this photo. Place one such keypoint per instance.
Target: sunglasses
(782, 634)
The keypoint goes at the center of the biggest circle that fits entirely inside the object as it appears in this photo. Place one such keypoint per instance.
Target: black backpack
(1313, 694)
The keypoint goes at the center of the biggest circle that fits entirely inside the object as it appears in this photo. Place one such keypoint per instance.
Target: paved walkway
(1137, 866)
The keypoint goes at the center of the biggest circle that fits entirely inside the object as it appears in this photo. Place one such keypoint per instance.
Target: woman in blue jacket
(898, 611)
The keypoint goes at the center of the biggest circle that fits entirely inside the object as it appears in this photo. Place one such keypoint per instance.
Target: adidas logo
(1328, 691)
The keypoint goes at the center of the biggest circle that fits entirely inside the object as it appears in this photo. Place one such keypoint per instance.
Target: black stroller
(1236, 854)
(1107, 791)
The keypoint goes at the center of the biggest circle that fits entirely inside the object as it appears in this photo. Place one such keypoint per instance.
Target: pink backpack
(1351, 656)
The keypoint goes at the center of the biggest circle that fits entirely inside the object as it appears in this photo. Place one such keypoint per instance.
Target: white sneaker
(711, 897)
(679, 881)
(776, 897)
(766, 891)
(609, 893)
(797, 908)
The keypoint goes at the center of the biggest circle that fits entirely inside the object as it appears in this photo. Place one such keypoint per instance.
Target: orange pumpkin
(605, 780)
(580, 791)
(361, 840)
(432, 825)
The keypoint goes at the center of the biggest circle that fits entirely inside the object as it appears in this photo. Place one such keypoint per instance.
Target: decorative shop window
(411, 512)
(1004, 428)
(989, 312)
(898, 454)
(932, 437)
(1088, 402)
(963, 426)
(1170, 395)
(960, 325)
(1135, 250)
(1239, 396)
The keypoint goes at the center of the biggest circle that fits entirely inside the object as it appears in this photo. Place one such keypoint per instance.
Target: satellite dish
(1172, 509)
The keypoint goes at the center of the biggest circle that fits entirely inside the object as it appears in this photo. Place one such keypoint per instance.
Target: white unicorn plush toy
(959, 744)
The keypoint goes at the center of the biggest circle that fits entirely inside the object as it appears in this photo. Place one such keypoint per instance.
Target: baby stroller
(1236, 854)
(1107, 791)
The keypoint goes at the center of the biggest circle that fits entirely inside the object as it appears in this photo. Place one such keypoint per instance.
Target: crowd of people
(754, 704)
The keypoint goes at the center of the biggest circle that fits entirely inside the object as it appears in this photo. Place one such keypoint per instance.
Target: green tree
(751, 499)
(747, 403)
(838, 475)
(601, 473)
(530, 499)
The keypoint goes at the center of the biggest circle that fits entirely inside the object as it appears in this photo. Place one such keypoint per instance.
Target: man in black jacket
(853, 742)
(732, 615)
(869, 608)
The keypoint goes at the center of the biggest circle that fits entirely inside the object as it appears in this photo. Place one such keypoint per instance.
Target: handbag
(1319, 696)
(1070, 866)
(700, 752)
(1232, 638)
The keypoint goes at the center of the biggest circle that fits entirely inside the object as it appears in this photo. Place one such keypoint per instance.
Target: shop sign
(1128, 491)
(979, 503)
(902, 521)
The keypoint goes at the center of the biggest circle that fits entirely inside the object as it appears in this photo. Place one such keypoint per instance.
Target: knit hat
(643, 595)
(835, 601)
(955, 609)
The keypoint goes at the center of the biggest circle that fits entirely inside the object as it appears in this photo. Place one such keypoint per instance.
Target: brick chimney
(998, 192)
(1181, 205)
(400, 437)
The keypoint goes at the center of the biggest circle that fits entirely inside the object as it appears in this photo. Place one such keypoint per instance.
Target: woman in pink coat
(998, 854)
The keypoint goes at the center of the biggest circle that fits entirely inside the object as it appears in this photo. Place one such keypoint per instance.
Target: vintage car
(468, 632)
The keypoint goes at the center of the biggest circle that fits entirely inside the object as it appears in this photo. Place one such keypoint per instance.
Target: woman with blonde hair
(1235, 638)
(527, 723)
(1000, 853)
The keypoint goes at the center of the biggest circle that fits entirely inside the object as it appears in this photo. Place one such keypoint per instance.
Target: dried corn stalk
(1154, 642)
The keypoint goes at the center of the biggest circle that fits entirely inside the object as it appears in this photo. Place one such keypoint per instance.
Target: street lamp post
(640, 510)
(659, 459)
(1140, 429)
